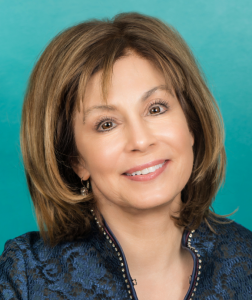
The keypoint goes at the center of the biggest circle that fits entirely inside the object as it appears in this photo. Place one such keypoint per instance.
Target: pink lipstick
(152, 169)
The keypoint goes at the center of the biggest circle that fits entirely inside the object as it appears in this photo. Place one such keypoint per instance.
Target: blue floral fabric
(90, 268)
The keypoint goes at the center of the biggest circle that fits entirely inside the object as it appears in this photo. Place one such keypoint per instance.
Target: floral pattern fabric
(90, 269)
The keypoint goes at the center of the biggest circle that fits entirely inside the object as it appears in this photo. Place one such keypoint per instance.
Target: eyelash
(109, 119)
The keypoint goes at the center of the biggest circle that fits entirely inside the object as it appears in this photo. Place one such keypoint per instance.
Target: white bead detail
(189, 241)
(118, 253)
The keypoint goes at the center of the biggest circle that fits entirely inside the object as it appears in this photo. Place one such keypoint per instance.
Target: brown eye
(106, 125)
(155, 109)
(158, 107)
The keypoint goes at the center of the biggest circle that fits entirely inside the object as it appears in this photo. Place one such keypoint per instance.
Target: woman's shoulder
(81, 269)
(30, 250)
(223, 230)
(234, 232)
(16, 254)
(18, 249)
(234, 242)
(27, 258)
(224, 251)
(32, 244)
(25, 241)
(224, 238)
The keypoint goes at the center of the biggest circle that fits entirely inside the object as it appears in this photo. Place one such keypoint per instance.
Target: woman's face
(143, 123)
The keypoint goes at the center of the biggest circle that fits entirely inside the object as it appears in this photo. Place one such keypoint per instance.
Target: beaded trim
(199, 263)
(118, 253)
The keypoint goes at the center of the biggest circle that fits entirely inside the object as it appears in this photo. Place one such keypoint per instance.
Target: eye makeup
(156, 102)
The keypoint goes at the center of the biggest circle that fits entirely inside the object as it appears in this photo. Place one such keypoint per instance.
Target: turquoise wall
(219, 33)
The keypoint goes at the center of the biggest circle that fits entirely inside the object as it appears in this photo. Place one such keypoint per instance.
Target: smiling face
(143, 125)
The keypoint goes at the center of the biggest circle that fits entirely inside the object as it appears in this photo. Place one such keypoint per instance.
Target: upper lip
(148, 165)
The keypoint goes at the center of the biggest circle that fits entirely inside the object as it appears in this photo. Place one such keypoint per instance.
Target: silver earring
(85, 189)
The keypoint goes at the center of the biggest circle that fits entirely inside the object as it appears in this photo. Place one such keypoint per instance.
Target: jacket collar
(112, 252)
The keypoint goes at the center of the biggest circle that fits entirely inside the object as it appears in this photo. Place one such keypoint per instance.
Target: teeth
(152, 169)
(147, 170)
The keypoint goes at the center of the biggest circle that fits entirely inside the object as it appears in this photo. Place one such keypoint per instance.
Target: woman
(123, 150)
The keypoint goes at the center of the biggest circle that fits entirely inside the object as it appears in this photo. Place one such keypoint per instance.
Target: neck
(150, 239)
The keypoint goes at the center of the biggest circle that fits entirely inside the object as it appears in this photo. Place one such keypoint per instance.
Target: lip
(148, 165)
(149, 176)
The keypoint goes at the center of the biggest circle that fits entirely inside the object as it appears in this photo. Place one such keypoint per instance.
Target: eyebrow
(144, 97)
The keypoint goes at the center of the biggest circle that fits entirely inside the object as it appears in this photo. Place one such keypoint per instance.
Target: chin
(150, 204)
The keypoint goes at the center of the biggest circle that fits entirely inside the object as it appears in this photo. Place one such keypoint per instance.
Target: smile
(147, 170)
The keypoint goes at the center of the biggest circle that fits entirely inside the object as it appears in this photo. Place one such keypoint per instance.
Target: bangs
(104, 54)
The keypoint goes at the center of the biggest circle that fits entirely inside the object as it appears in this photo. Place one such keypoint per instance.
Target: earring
(84, 190)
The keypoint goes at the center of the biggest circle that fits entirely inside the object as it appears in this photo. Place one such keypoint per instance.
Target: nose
(140, 136)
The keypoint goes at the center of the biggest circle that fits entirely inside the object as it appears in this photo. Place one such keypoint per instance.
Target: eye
(158, 106)
(104, 124)
(155, 109)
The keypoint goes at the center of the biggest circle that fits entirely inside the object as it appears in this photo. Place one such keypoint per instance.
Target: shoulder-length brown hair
(56, 87)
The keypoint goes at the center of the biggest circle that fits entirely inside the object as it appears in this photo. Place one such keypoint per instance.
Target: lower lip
(149, 176)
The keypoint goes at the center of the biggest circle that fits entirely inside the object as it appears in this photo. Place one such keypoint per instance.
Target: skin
(139, 212)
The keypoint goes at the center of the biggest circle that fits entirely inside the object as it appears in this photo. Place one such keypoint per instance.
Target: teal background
(220, 35)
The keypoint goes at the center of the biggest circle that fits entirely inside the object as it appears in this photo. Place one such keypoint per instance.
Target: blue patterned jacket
(95, 268)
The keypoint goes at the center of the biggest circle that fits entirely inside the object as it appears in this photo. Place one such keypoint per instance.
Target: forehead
(130, 76)
(133, 81)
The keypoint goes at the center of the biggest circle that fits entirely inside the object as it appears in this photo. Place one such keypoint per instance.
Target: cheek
(179, 142)
(176, 133)
(101, 154)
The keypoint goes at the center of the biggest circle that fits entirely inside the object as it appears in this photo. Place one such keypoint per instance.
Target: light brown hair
(56, 87)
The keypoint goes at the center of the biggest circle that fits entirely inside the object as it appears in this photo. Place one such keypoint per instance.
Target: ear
(80, 169)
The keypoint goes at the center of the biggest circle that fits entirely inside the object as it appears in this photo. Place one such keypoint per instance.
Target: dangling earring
(84, 190)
